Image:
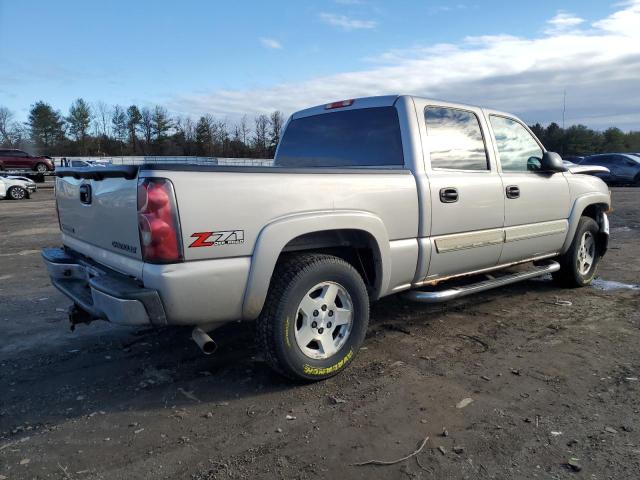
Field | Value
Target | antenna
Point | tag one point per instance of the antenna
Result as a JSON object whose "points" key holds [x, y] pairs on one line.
{"points": [[564, 105]]}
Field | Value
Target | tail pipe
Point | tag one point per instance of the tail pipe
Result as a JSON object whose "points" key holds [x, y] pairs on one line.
{"points": [[204, 341]]}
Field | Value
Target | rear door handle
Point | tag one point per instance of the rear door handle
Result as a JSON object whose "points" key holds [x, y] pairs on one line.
{"points": [[513, 191], [448, 195]]}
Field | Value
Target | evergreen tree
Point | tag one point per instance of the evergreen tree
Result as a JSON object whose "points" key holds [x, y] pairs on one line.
{"points": [[119, 123], [46, 127], [276, 121], [160, 123], [203, 136], [79, 120]]}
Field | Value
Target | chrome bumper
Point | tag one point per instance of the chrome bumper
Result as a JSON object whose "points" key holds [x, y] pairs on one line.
{"points": [[103, 293]]}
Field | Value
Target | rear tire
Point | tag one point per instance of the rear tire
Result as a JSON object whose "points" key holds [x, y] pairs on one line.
{"points": [[315, 317], [17, 193], [578, 266]]}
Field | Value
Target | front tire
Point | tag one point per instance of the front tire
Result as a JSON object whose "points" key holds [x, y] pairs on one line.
{"points": [[315, 317], [40, 168], [17, 193], [578, 266]]}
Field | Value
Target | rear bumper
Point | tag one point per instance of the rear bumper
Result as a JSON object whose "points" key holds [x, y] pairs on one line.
{"points": [[101, 292]]}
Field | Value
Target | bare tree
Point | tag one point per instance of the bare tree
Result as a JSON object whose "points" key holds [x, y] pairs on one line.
{"points": [[103, 115], [146, 125], [245, 131], [260, 135], [6, 120], [134, 117]]}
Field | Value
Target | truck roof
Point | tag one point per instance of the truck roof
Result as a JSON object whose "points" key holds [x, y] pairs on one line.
{"points": [[385, 101]]}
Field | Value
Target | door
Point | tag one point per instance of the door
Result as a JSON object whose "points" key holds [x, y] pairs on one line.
{"points": [[467, 205], [537, 203], [624, 169], [16, 159]]}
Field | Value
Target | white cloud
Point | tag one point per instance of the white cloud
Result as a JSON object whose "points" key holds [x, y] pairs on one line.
{"points": [[346, 23], [271, 43], [562, 22], [597, 64]]}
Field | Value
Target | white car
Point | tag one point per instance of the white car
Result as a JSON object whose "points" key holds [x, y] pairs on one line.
{"points": [[16, 188]]}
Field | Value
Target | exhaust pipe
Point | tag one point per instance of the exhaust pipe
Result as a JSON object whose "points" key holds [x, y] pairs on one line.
{"points": [[204, 341]]}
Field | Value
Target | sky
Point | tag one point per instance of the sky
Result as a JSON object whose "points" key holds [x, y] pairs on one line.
{"points": [[233, 58]]}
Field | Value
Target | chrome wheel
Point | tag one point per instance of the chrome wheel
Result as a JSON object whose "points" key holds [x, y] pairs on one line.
{"points": [[324, 320], [586, 253], [17, 193], [41, 168]]}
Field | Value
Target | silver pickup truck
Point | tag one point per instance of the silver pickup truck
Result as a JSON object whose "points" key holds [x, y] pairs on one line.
{"points": [[366, 198]]}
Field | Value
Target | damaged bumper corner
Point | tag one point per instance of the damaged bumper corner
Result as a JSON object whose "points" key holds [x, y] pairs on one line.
{"points": [[103, 294]]}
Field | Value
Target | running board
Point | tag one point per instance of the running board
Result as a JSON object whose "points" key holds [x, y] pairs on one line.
{"points": [[549, 266]]}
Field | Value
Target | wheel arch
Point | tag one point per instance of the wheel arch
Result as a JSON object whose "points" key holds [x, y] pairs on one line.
{"points": [[338, 233], [592, 205]]}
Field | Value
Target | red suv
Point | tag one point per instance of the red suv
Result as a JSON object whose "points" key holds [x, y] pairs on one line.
{"points": [[10, 159]]}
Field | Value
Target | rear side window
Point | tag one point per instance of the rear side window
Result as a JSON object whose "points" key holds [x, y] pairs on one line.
{"points": [[595, 160], [366, 137], [455, 139]]}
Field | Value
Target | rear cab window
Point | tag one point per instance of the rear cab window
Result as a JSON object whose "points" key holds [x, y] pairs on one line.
{"points": [[364, 137], [455, 140]]}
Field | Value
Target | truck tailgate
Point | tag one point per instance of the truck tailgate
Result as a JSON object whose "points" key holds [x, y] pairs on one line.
{"points": [[100, 212]]}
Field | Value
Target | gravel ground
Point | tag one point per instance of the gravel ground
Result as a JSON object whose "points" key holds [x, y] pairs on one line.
{"points": [[506, 384]]}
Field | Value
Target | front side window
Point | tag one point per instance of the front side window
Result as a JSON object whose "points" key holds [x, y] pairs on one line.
{"points": [[518, 151], [365, 137], [455, 139]]}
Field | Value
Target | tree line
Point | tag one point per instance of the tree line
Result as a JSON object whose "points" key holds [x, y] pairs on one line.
{"points": [[101, 129], [104, 130], [579, 140]]}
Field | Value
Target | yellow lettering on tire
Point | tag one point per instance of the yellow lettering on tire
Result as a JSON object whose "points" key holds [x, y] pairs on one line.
{"points": [[309, 370], [286, 332]]}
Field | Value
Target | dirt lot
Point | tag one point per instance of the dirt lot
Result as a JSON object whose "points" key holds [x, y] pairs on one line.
{"points": [[548, 382]]}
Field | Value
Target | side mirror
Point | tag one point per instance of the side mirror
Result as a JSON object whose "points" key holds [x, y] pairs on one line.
{"points": [[552, 162]]}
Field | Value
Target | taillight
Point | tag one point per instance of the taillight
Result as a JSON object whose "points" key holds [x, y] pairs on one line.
{"points": [[158, 222]]}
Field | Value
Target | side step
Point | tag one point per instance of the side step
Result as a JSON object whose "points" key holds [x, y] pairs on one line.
{"points": [[457, 292]]}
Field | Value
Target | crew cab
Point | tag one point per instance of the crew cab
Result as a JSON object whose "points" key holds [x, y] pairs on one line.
{"points": [[367, 198]]}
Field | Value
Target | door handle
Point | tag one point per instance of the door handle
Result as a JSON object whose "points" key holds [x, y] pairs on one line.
{"points": [[448, 195], [513, 191]]}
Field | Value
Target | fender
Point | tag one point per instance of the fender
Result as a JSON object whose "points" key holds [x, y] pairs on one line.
{"points": [[274, 236], [579, 206]]}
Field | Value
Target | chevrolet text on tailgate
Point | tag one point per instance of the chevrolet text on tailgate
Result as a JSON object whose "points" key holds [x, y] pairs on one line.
{"points": [[367, 198]]}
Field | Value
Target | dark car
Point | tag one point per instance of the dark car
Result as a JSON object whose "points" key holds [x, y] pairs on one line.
{"points": [[17, 159], [624, 168]]}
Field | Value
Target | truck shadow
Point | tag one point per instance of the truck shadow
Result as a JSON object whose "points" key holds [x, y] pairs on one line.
{"points": [[119, 370]]}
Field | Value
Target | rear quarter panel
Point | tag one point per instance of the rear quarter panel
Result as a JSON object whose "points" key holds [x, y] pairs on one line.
{"points": [[246, 202]]}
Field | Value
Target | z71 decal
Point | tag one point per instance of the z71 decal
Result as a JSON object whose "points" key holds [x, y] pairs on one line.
{"points": [[223, 237]]}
